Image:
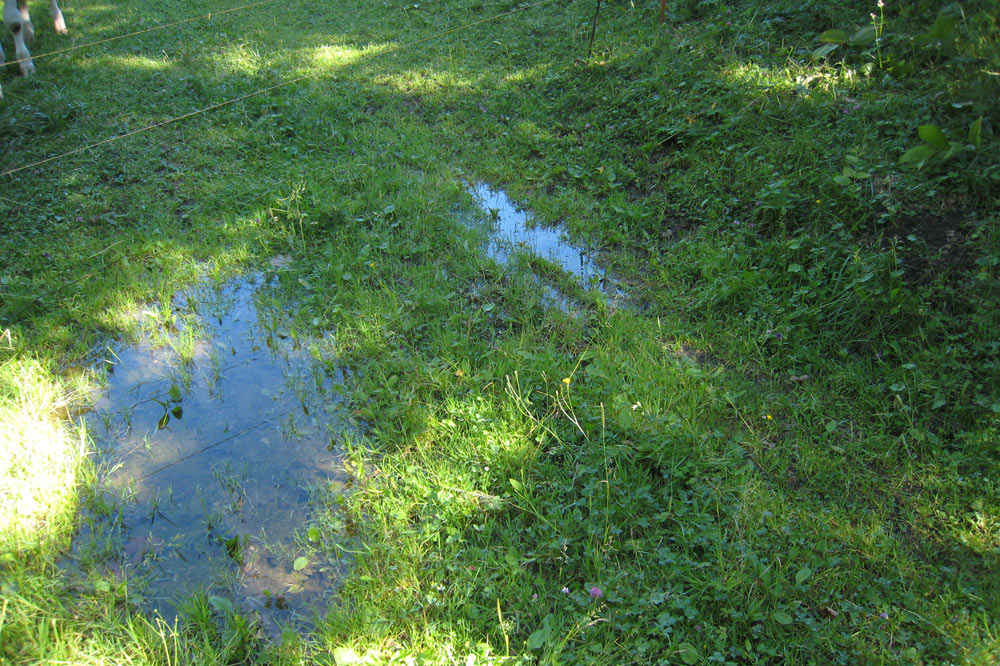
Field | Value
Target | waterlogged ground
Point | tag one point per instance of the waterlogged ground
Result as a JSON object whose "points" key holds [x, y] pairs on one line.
{"points": [[213, 443], [512, 232], [216, 427]]}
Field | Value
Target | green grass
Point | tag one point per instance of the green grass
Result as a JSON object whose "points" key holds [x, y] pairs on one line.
{"points": [[786, 453]]}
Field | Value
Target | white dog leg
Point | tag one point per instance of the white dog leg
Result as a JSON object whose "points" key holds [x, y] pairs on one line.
{"points": [[15, 17], [57, 17], [27, 27]]}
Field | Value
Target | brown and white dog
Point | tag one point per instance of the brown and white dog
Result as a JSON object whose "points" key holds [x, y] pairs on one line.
{"points": [[17, 20]]}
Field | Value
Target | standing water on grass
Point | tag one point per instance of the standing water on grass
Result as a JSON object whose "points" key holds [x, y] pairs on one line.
{"points": [[214, 442], [513, 232]]}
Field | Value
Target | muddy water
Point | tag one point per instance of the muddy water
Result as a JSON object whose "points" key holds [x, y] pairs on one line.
{"points": [[512, 231], [215, 457]]}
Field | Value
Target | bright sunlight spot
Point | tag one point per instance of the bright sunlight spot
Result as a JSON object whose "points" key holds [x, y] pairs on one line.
{"points": [[38, 459], [341, 56]]}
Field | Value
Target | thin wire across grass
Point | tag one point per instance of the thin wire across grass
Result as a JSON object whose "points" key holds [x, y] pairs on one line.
{"points": [[261, 91], [142, 32]]}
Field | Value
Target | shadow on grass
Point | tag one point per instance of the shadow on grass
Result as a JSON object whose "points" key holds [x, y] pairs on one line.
{"points": [[135, 221]]}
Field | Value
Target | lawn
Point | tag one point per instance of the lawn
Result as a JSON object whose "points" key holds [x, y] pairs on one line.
{"points": [[781, 448]]}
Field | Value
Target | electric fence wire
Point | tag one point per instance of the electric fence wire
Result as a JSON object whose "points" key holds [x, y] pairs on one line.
{"points": [[141, 32], [394, 49], [391, 50]]}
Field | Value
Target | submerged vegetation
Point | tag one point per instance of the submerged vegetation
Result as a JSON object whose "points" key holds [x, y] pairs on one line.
{"points": [[783, 450]]}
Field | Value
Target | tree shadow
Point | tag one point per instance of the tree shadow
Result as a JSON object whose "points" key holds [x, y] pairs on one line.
{"points": [[90, 235]]}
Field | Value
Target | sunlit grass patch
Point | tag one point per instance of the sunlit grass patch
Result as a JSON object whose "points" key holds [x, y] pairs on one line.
{"points": [[135, 62], [40, 460], [245, 58], [427, 80], [341, 55], [785, 79], [532, 74]]}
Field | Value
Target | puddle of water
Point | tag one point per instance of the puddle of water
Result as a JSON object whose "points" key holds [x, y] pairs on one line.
{"points": [[512, 232], [216, 457]]}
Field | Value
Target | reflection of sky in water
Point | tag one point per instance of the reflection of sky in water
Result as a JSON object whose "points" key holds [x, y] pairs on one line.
{"points": [[223, 447], [510, 234]]}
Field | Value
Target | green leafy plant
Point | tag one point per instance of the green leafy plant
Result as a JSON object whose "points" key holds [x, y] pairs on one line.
{"points": [[851, 172], [941, 35], [775, 199], [836, 38], [937, 147]]}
